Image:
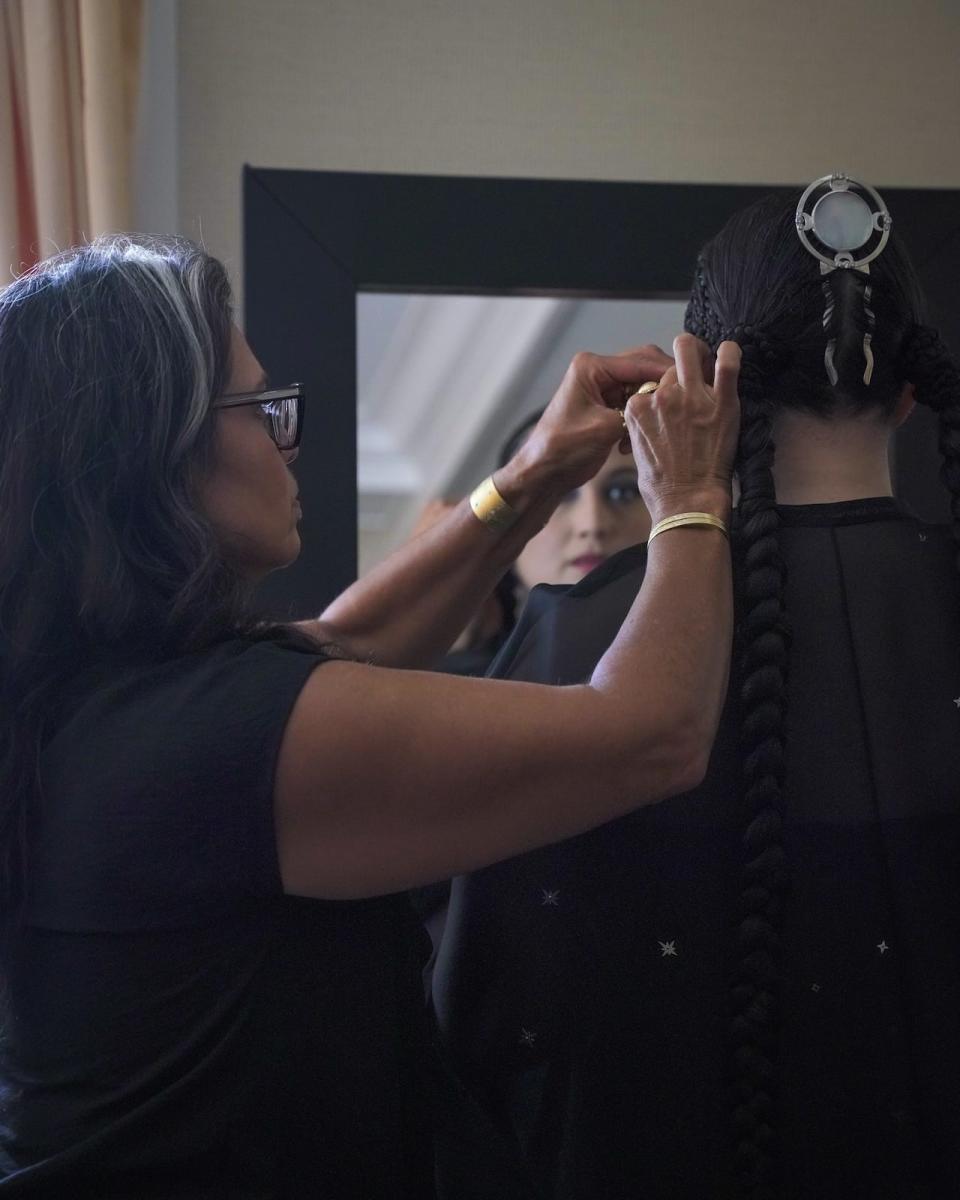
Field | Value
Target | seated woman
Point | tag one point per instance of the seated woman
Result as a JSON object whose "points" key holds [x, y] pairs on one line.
{"points": [[592, 522], [752, 990]]}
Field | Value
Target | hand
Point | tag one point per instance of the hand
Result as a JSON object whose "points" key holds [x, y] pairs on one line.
{"points": [[684, 435], [571, 441]]}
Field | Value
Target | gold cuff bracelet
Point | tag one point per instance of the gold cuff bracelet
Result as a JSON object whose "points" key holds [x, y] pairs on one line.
{"points": [[490, 508]]}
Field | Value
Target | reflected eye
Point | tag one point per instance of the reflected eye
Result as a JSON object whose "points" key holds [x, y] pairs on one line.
{"points": [[621, 492]]}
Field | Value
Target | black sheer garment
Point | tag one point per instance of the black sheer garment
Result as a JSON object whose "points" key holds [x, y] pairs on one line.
{"points": [[583, 988]]}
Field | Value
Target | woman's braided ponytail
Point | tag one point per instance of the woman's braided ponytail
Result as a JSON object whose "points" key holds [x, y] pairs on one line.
{"points": [[755, 984], [755, 987]]}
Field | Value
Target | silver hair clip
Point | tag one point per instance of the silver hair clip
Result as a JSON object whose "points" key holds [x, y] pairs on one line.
{"points": [[844, 224]]}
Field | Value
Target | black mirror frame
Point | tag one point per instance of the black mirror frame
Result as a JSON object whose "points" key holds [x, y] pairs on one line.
{"points": [[314, 239]]}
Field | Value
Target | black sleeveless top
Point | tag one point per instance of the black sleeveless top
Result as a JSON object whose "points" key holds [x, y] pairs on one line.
{"points": [[174, 1025], [583, 988]]}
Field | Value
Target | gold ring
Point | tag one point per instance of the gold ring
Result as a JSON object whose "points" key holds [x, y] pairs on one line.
{"points": [[646, 388]]}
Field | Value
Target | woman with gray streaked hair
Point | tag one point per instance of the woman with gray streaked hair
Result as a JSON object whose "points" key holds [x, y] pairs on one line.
{"points": [[210, 970]]}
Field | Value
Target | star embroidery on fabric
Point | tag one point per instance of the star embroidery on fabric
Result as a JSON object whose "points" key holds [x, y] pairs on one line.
{"points": [[957, 702], [923, 537], [527, 1037], [882, 946], [815, 987], [668, 949], [551, 899]]}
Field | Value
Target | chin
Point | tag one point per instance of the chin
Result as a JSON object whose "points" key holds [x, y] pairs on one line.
{"points": [[291, 551], [572, 575]]}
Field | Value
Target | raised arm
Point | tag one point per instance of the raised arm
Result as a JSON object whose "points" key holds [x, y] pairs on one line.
{"points": [[389, 779], [408, 611]]}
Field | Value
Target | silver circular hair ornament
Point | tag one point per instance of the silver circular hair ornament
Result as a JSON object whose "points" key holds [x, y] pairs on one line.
{"points": [[842, 222]]}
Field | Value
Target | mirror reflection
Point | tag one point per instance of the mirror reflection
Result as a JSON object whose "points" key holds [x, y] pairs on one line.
{"points": [[443, 382]]}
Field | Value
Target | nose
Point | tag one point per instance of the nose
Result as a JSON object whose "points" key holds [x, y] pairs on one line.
{"points": [[590, 517]]}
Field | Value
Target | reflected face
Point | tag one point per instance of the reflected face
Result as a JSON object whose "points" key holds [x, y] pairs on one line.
{"points": [[589, 524], [250, 494]]}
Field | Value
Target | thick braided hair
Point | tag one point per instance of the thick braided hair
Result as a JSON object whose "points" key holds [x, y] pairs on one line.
{"points": [[757, 285]]}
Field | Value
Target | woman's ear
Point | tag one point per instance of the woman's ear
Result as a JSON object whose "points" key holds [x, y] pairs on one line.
{"points": [[906, 403]]}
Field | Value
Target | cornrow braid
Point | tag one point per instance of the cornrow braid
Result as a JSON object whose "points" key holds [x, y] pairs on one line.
{"points": [[701, 317], [926, 362]]}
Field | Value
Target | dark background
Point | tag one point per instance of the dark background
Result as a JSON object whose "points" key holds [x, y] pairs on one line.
{"points": [[314, 239]]}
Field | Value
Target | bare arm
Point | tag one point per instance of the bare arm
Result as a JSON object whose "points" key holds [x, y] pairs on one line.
{"points": [[390, 779], [408, 611]]}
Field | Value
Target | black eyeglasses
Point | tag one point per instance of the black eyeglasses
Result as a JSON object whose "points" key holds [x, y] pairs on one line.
{"points": [[283, 408]]}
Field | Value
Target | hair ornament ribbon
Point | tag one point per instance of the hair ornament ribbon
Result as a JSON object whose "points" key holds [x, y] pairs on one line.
{"points": [[844, 224]]}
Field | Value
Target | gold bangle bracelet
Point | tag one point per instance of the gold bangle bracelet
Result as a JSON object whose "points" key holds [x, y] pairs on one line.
{"points": [[688, 518], [490, 508]]}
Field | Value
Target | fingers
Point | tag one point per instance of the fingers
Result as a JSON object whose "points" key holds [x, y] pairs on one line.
{"points": [[615, 376], [654, 355], [687, 350], [634, 367], [726, 373]]}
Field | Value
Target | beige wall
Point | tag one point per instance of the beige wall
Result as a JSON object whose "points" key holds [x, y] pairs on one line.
{"points": [[686, 90]]}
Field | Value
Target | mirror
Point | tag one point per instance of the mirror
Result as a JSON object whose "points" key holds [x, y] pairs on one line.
{"points": [[315, 241], [443, 381]]}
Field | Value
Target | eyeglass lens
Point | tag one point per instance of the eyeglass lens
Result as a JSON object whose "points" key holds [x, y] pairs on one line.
{"points": [[283, 416]]}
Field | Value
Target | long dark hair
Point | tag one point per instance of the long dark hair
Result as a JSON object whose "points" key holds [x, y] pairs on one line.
{"points": [[756, 284], [110, 355]]}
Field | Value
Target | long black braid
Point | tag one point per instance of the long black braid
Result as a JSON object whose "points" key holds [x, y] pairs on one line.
{"points": [[755, 986], [925, 361], [755, 990], [756, 285]]}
